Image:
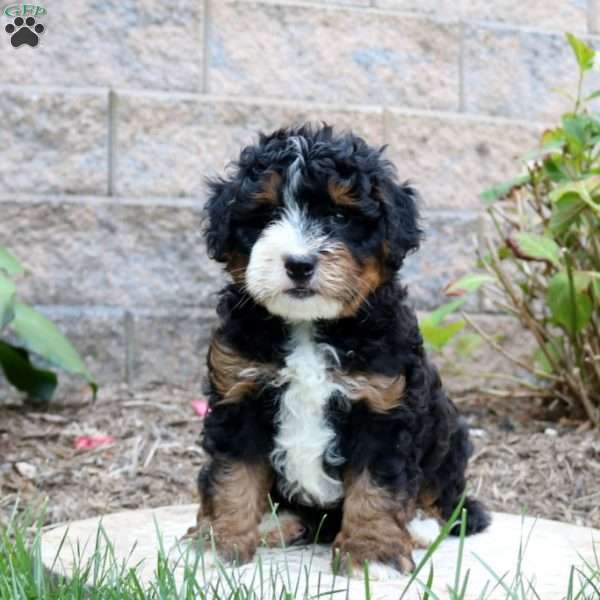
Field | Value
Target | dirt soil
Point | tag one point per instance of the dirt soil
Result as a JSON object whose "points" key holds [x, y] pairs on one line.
{"points": [[520, 464]]}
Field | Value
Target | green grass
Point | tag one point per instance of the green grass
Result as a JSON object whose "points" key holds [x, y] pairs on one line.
{"points": [[103, 577]]}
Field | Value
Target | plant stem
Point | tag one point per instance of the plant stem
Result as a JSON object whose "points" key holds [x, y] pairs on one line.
{"points": [[542, 391], [591, 411], [579, 88], [574, 383], [511, 394], [593, 240], [591, 204], [504, 353], [594, 361], [524, 314]]}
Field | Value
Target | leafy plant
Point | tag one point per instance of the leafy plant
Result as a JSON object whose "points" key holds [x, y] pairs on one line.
{"points": [[542, 257], [436, 332], [34, 333]]}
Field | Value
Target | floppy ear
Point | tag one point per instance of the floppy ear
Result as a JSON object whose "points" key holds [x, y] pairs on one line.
{"points": [[402, 216], [218, 214]]}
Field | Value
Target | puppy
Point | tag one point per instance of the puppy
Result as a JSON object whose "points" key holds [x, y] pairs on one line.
{"points": [[321, 394]]}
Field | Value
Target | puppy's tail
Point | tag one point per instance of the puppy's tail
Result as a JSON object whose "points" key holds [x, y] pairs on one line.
{"points": [[478, 518]]}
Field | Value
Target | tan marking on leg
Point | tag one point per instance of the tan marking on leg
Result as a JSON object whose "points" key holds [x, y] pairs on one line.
{"points": [[234, 509], [427, 502], [380, 392], [373, 527], [427, 497], [233, 375]]}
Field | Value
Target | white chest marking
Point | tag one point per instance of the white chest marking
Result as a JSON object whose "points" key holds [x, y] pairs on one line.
{"points": [[304, 437]]}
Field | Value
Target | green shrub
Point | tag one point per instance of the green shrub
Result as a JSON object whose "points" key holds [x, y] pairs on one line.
{"points": [[541, 263], [34, 333]]}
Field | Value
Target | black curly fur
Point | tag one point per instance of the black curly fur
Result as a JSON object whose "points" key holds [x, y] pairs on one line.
{"points": [[422, 444]]}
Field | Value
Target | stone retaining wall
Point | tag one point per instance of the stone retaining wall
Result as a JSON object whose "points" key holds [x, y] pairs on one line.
{"points": [[109, 126]]}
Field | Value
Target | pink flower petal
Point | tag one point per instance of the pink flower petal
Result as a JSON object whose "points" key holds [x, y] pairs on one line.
{"points": [[89, 442], [200, 407]]}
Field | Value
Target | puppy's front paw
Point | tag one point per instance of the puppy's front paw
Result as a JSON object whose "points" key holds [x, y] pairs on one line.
{"points": [[234, 549], [239, 550], [386, 559]]}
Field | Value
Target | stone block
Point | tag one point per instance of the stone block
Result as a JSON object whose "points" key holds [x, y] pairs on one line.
{"points": [[95, 252], [168, 145], [333, 54], [567, 15], [435, 8], [53, 141], [451, 159], [447, 252], [593, 16], [346, 2], [516, 73], [149, 44], [169, 347]]}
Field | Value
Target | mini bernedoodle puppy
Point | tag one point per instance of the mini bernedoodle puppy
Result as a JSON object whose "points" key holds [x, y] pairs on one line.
{"points": [[320, 391]]}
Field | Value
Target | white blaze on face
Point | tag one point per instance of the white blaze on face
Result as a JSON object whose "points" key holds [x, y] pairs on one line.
{"points": [[292, 235]]}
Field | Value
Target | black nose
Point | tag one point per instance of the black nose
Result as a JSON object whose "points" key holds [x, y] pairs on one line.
{"points": [[300, 268]]}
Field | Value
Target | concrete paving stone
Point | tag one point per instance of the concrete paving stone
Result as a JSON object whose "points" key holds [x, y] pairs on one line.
{"points": [[553, 548]]}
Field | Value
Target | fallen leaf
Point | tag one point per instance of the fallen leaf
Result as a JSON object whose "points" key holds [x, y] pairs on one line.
{"points": [[200, 407], [89, 442], [26, 470]]}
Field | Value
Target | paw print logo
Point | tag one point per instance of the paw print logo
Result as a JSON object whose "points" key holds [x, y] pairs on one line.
{"points": [[24, 32]]}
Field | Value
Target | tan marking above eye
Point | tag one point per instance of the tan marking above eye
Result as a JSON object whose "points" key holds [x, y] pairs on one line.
{"points": [[340, 193], [269, 192]]}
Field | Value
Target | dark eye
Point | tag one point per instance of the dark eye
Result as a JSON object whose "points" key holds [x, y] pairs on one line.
{"points": [[339, 218]]}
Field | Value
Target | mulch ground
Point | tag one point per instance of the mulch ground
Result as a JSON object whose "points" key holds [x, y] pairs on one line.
{"points": [[520, 464]]}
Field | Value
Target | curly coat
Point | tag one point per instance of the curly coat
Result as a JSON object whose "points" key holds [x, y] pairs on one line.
{"points": [[392, 442]]}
